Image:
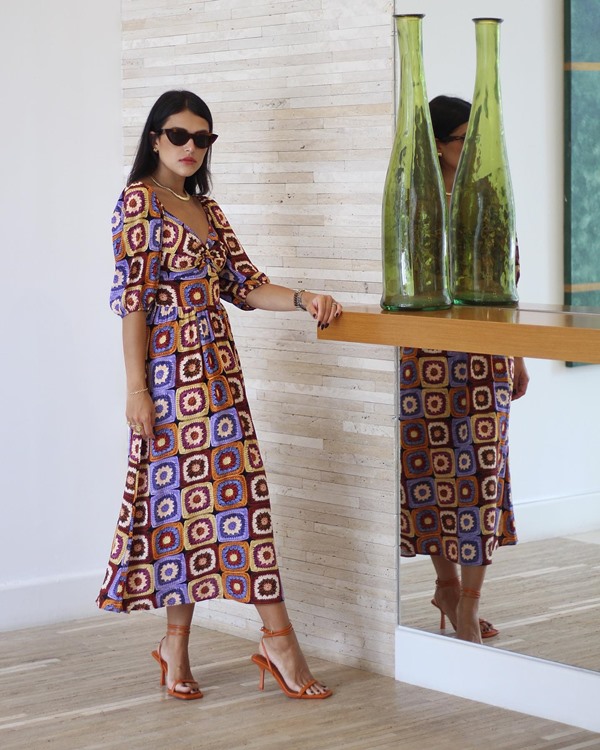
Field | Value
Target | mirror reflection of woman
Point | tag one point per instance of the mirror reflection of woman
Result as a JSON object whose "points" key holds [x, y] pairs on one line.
{"points": [[195, 523], [454, 409]]}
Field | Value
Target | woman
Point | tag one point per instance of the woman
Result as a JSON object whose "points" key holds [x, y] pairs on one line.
{"points": [[454, 409], [195, 521]]}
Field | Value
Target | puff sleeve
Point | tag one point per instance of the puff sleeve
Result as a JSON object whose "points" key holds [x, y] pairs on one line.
{"points": [[136, 231], [239, 275]]}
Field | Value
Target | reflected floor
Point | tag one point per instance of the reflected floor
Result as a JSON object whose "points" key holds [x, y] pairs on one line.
{"points": [[543, 596]]}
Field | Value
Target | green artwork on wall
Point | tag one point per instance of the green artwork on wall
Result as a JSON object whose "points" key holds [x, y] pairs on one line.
{"points": [[582, 153]]}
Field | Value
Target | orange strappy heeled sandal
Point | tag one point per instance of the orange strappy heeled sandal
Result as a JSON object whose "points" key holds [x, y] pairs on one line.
{"points": [[193, 686], [487, 629], [265, 665]]}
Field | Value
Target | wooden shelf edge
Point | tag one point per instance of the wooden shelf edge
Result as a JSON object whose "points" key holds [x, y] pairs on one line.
{"points": [[542, 334]]}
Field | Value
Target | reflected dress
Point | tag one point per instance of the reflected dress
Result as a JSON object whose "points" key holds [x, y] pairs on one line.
{"points": [[195, 521], [455, 494]]}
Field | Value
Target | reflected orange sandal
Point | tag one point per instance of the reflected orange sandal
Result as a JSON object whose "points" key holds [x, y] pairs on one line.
{"points": [[487, 629], [265, 665], [195, 691]]}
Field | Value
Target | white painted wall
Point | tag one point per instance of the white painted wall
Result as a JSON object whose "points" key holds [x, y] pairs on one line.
{"points": [[62, 441], [554, 429]]}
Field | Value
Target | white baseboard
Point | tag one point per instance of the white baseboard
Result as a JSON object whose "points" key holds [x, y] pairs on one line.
{"points": [[43, 601], [505, 679], [558, 516]]}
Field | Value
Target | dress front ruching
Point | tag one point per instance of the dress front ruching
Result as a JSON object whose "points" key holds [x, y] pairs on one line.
{"points": [[195, 522]]}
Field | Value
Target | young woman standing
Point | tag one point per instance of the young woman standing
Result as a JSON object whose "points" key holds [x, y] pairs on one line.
{"points": [[195, 523]]}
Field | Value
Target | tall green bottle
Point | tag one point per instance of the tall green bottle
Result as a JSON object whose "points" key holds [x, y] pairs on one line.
{"points": [[482, 214], [415, 261]]}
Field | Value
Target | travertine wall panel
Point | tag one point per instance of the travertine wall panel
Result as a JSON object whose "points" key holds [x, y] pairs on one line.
{"points": [[302, 98]]}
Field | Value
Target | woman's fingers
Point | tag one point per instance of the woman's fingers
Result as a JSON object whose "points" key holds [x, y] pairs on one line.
{"points": [[520, 379], [142, 427], [325, 309], [141, 416], [148, 427]]}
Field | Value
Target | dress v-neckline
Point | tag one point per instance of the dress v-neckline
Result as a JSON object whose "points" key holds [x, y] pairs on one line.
{"points": [[188, 228], [182, 223]]}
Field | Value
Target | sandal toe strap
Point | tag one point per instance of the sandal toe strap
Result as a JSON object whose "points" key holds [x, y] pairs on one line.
{"points": [[306, 687], [192, 684]]}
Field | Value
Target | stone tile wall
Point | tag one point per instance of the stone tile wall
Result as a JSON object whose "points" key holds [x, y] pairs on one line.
{"points": [[302, 98]]}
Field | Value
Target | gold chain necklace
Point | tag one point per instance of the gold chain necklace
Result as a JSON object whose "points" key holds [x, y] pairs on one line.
{"points": [[185, 197]]}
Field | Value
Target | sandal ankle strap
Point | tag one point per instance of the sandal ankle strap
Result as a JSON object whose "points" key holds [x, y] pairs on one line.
{"points": [[178, 629], [448, 582], [274, 633], [470, 593]]}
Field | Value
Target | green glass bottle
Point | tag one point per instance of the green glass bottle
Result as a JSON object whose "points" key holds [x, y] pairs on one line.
{"points": [[415, 260], [482, 234]]}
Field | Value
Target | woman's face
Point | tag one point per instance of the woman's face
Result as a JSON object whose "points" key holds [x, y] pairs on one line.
{"points": [[187, 159], [451, 150]]}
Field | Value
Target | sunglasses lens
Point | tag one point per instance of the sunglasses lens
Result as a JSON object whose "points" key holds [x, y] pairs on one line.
{"points": [[204, 140], [201, 140], [177, 137]]}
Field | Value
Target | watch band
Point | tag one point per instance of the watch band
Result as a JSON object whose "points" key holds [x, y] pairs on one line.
{"points": [[298, 299]]}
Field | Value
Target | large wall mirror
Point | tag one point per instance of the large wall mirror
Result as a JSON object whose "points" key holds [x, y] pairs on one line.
{"points": [[544, 593]]}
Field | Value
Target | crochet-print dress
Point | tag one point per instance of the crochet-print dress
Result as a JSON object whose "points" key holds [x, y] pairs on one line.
{"points": [[455, 496], [195, 521]]}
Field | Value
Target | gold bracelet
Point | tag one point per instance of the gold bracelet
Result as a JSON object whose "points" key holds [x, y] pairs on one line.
{"points": [[135, 393], [298, 299]]}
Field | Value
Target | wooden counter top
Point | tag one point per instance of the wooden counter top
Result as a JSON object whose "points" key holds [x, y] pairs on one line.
{"points": [[541, 331]]}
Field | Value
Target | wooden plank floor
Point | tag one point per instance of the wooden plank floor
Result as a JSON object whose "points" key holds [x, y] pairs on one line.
{"points": [[92, 684], [543, 596]]}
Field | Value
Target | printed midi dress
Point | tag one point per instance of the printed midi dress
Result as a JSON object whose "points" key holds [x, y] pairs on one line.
{"points": [[195, 521], [455, 496]]}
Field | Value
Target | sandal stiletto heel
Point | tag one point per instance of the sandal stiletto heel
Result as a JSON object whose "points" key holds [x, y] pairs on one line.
{"points": [[164, 668], [443, 584], [264, 664]]}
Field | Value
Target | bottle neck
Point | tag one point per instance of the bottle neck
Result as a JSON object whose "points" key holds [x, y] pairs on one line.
{"points": [[410, 47], [487, 79]]}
